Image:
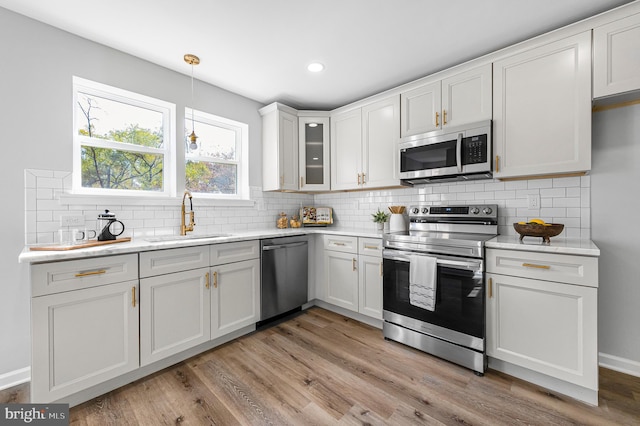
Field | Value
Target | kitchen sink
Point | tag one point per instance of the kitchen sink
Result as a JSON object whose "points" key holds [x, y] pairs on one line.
{"points": [[185, 237]]}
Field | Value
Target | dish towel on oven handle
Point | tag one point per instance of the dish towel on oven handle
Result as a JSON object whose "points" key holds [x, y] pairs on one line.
{"points": [[422, 281]]}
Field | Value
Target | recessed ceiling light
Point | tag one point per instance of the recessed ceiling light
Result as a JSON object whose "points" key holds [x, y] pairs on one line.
{"points": [[315, 158], [315, 67], [313, 124]]}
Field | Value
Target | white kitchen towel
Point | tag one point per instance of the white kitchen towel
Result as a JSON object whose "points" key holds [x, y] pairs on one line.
{"points": [[423, 281]]}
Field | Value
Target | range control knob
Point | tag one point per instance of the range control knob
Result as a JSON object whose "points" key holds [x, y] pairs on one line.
{"points": [[487, 210], [416, 210], [474, 210], [425, 210]]}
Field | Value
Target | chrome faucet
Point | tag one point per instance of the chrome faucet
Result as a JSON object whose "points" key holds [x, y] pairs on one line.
{"points": [[184, 228]]}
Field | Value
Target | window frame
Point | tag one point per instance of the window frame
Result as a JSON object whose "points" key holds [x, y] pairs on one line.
{"points": [[168, 111], [242, 152]]}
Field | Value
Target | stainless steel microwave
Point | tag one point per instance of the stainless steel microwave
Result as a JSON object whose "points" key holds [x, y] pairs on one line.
{"points": [[461, 153]]}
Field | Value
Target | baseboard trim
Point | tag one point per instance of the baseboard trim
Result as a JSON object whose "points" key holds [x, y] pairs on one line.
{"points": [[616, 363], [15, 378]]}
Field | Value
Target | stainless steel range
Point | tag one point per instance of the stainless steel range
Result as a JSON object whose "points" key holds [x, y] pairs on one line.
{"points": [[433, 283]]}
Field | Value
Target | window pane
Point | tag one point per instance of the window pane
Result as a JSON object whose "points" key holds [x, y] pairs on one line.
{"points": [[116, 121], [212, 178], [115, 169], [213, 141]]}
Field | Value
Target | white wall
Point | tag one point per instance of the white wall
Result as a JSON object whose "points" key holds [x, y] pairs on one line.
{"points": [[615, 205], [38, 62]]}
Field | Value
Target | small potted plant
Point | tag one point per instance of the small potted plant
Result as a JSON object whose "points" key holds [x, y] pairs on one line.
{"points": [[380, 218]]}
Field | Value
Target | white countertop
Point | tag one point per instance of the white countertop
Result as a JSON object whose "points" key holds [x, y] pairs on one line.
{"points": [[573, 246], [141, 244]]}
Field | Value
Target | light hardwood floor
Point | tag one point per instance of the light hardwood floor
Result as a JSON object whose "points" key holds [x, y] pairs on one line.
{"points": [[322, 368]]}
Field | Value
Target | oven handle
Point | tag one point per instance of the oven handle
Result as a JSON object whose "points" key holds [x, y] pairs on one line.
{"points": [[403, 256]]}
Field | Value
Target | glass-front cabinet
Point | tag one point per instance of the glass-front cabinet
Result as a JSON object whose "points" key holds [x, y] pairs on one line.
{"points": [[314, 152]]}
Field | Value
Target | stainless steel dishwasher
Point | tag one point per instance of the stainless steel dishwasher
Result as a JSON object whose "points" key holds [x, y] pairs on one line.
{"points": [[284, 264]]}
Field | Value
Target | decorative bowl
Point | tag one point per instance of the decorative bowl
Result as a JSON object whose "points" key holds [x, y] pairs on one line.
{"points": [[536, 230]]}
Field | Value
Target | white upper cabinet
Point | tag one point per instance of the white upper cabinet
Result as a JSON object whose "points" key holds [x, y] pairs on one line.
{"points": [[462, 97], [315, 174], [542, 109], [279, 148], [421, 109], [616, 57], [364, 145], [346, 150], [380, 137]]}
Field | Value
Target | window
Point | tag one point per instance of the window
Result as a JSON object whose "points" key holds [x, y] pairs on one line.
{"points": [[124, 143], [218, 166]]}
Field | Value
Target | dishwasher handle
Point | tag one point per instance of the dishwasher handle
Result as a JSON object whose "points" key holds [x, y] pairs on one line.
{"points": [[281, 246]]}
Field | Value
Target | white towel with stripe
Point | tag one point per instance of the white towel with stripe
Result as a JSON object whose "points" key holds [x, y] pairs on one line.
{"points": [[422, 281]]}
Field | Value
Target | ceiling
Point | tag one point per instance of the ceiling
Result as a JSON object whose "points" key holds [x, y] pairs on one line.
{"points": [[261, 48]]}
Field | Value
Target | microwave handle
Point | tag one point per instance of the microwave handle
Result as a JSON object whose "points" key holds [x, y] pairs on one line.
{"points": [[459, 153]]}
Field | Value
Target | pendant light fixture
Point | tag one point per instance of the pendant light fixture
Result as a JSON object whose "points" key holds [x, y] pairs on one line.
{"points": [[192, 60]]}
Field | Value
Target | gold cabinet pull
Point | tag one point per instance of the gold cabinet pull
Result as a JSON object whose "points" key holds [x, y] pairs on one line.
{"points": [[340, 244], [497, 163], [86, 274], [301, 181], [133, 297], [490, 288], [363, 175], [444, 117], [353, 264], [215, 279], [358, 178], [282, 180], [371, 247], [207, 285], [437, 119], [534, 265], [381, 271]]}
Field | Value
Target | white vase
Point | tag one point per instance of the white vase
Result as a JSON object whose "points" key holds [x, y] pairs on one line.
{"points": [[379, 226], [397, 223]]}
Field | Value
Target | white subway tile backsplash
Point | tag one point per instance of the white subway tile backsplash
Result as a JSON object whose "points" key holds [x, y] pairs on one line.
{"points": [[563, 200], [539, 183], [551, 193]]}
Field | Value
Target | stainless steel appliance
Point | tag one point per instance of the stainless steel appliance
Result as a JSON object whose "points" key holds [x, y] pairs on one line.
{"points": [[284, 265], [455, 237], [460, 153]]}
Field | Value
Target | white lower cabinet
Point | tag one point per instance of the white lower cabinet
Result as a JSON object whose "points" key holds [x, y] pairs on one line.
{"points": [[539, 323], [235, 296], [82, 338], [175, 313], [353, 274], [370, 286], [341, 271]]}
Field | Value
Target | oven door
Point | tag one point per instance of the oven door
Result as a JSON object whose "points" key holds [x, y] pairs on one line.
{"points": [[459, 311]]}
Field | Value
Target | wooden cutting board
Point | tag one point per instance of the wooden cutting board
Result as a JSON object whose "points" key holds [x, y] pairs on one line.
{"points": [[79, 246]]}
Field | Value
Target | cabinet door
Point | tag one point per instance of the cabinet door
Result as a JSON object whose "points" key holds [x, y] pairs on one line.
{"points": [[314, 154], [381, 121], [346, 150], [235, 296], [341, 274], [419, 109], [288, 124], [466, 97], [370, 286], [175, 313], [542, 109], [82, 338], [616, 62], [544, 326]]}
